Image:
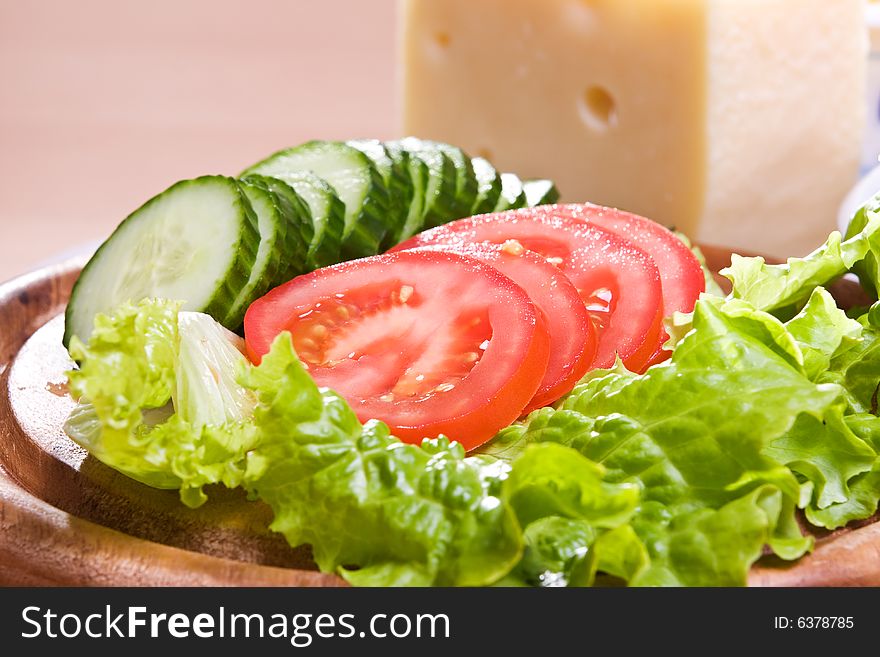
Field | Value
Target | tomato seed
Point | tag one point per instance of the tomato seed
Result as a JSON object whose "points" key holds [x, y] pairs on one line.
{"points": [[513, 247]]}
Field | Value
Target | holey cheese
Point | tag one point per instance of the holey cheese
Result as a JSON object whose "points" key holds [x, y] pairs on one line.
{"points": [[736, 121]]}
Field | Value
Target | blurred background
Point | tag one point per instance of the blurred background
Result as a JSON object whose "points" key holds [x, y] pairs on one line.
{"points": [[104, 104]]}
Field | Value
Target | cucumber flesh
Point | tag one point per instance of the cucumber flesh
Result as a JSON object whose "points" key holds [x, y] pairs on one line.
{"points": [[355, 180], [512, 194], [415, 218], [195, 242], [394, 170], [415, 171], [327, 214], [273, 229], [540, 192], [440, 205], [291, 256], [488, 186], [465, 179]]}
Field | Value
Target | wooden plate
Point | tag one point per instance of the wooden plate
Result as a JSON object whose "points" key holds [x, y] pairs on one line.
{"points": [[66, 519]]}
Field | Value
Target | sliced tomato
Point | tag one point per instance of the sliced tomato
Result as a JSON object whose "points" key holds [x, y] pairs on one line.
{"points": [[681, 275], [618, 282], [428, 342], [572, 334]]}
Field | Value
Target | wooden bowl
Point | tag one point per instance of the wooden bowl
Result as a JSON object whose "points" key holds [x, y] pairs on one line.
{"points": [[66, 519]]}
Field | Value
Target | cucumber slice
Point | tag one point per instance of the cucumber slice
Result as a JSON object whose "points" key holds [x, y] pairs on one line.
{"points": [[328, 217], [195, 242], [512, 194], [274, 232], [540, 192], [355, 180], [416, 173], [465, 180], [395, 174], [488, 186], [439, 206], [292, 252]]}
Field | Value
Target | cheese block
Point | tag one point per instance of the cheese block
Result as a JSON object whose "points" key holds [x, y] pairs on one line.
{"points": [[737, 121]]}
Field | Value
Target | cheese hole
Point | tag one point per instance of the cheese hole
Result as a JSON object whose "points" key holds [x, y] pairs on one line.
{"points": [[597, 109]]}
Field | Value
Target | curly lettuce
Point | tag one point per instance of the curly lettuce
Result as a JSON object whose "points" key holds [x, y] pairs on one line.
{"points": [[375, 510]]}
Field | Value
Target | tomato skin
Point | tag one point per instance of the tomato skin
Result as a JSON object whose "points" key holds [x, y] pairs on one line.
{"points": [[593, 259], [681, 274], [572, 334], [453, 304]]}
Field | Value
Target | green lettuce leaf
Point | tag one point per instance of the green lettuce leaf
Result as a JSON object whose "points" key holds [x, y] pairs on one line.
{"points": [[826, 453], [557, 553], [381, 512], [857, 369], [209, 359], [822, 331], [724, 440], [707, 547], [779, 287], [375, 510], [564, 503], [864, 489], [378, 511], [136, 361], [868, 268]]}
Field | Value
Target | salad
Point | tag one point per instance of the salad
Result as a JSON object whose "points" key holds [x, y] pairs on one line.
{"points": [[551, 395]]}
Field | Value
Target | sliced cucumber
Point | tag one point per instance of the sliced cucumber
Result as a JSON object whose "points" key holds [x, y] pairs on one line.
{"points": [[512, 194], [328, 217], [465, 180], [265, 272], [416, 172], [540, 192], [355, 180], [488, 186], [397, 182], [196, 242], [292, 253], [439, 207]]}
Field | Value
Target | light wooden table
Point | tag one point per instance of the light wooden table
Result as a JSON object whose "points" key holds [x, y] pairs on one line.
{"points": [[104, 103]]}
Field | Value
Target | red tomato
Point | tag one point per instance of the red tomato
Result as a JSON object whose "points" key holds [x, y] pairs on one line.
{"points": [[681, 275], [618, 282], [428, 342], [572, 334]]}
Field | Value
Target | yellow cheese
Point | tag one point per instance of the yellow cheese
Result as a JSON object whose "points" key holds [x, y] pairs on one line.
{"points": [[737, 121]]}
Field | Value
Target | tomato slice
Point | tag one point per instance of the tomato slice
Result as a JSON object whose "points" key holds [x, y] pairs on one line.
{"points": [[428, 342], [681, 275], [571, 331], [618, 282]]}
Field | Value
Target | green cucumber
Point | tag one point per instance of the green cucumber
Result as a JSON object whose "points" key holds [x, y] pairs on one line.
{"points": [[355, 180], [328, 217], [416, 172], [397, 182], [440, 204], [465, 180], [292, 252], [196, 242], [267, 268], [488, 186], [512, 194], [540, 192]]}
